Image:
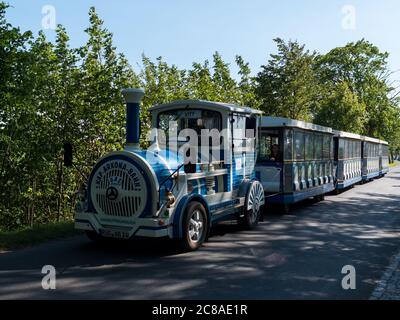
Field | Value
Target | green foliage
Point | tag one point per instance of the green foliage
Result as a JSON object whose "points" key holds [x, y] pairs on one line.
{"points": [[341, 110], [346, 89], [287, 83], [364, 68], [51, 93], [355, 88]]}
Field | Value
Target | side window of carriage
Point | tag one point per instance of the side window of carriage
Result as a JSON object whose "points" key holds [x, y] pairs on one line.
{"points": [[269, 146]]}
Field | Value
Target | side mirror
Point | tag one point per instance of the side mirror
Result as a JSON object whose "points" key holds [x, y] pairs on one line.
{"points": [[68, 155]]}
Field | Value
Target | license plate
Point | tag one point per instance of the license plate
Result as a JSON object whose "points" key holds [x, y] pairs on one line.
{"points": [[114, 234]]}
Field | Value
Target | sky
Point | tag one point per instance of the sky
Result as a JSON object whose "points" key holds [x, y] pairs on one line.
{"points": [[184, 31]]}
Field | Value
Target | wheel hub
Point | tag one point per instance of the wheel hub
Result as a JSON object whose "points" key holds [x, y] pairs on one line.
{"points": [[195, 226]]}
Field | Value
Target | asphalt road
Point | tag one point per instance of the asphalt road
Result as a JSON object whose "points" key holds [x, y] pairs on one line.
{"points": [[297, 256]]}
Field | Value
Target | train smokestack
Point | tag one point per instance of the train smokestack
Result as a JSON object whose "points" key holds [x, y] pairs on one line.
{"points": [[133, 97]]}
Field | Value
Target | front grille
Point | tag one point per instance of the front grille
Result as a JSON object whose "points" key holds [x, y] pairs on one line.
{"points": [[128, 186], [127, 207]]}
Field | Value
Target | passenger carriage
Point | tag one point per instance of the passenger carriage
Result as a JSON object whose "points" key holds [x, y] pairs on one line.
{"points": [[295, 160], [164, 192], [371, 158], [348, 159], [383, 158]]}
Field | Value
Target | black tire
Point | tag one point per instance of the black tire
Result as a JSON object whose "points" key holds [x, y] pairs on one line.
{"points": [[193, 236], [245, 222], [248, 221]]}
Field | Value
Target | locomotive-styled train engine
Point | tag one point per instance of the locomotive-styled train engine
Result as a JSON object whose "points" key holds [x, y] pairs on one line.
{"points": [[158, 192]]}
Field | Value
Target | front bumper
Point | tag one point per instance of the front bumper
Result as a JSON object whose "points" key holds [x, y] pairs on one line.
{"points": [[140, 227]]}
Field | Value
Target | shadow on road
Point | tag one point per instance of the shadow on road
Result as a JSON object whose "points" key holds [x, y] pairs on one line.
{"points": [[296, 256]]}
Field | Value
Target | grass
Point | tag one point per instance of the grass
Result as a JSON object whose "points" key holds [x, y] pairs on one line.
{"points": [[29, 236]]}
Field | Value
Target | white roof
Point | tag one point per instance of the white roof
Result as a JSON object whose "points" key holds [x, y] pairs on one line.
{"points": [[384, 142], [343, 134], [274, 122], [221, 106], [373, 140]]}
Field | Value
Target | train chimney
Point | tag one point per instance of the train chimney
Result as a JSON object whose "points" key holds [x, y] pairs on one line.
{"points": [[133, 98]]}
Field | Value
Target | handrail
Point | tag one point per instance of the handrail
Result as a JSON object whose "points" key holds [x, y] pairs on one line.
{"points": [[175, 171], [165, 180]]}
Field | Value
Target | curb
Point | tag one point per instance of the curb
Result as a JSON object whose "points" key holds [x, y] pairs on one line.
{"points": [[383, 283]]}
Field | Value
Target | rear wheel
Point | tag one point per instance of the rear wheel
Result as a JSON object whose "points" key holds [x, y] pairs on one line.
{"points": [[194, 227], [253, 207]]}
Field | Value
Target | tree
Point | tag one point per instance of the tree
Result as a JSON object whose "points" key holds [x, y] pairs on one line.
{"points": [[51, 93], [246, 86], [162, 84], [286, 86], [15, 115], [341, 110], [103, 74], [364, 69]]}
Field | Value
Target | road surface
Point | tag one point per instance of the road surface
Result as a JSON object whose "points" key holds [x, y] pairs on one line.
{"points": [[297, 256]]}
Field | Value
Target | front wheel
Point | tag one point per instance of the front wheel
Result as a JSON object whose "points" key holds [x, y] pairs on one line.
{"points": [[194, 227]]}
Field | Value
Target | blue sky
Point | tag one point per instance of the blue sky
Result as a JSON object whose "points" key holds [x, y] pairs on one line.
{"points": [[183, 31]]}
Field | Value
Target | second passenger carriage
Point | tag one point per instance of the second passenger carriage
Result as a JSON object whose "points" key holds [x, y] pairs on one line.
{"points": [[295, 160]]}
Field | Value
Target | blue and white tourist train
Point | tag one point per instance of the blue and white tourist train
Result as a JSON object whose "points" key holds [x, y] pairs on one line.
{"points": [[208, 162]]}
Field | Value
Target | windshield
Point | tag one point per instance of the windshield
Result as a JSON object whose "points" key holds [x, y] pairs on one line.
{"points": [[196, 119]]}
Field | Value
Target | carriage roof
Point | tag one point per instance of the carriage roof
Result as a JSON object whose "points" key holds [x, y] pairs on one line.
{"points": [[218, 106], [343, 134], [384, 142], [373, 140], [274, 122]]}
